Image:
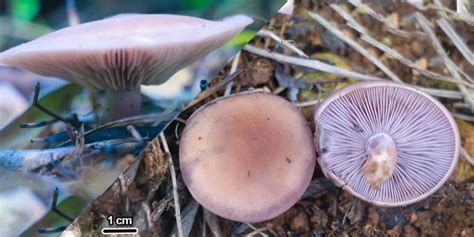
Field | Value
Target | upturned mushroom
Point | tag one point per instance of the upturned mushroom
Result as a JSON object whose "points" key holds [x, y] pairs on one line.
{"points": [[120, 53], [386, 143], [247, 157]]}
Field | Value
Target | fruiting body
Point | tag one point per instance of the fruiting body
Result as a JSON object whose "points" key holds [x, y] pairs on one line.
{"points": [[247, 157], [121, 53], [386, 143]]}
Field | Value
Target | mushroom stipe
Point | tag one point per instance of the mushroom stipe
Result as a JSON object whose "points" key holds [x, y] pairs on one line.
{"points": [[247, 157]]}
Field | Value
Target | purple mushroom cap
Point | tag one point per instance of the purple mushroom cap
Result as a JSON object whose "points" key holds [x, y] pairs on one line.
{"points": [[386, 143], [247, 157]]}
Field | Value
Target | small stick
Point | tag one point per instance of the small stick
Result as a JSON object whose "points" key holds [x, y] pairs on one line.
{"points": [[359, 48], [351, 22], [425, 25], [385, 21], [307, 103], [467, 156], [256, 231], [38, 124], [28, 160], [456, 39], [309, 63], [233, 68], [279, 40], [56, 117], [211, 90], [134, 133], [177, 208], [463, 117], [56, 210]]}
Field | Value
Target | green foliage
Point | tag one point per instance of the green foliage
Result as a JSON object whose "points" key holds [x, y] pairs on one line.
{"points": [[241, 39], [25, 9], [197, 4]]}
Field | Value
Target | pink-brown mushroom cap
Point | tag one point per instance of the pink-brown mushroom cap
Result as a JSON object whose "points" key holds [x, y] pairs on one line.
{"points": [[124, 51], [247, 157], [425, 135]]}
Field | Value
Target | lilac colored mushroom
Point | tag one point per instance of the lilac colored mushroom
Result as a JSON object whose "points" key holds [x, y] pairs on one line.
{"points": [[386, 143], [247, 157], [120, 53]]}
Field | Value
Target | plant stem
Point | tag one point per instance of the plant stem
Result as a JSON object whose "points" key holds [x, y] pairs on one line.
{"points": [[121, 104]]}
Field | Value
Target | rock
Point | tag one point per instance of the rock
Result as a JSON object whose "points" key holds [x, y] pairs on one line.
{"points": [[409, 231], [300, 222], [395, 231]]}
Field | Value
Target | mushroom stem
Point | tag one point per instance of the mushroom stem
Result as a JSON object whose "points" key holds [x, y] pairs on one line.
{"points": [[121, 103], [382, 159]]}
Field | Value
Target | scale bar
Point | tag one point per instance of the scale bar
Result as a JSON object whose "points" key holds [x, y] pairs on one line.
{"points": [[109, 231]]}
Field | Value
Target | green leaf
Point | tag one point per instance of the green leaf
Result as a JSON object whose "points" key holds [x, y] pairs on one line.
{"points": [[241, 39], [25, 9]]}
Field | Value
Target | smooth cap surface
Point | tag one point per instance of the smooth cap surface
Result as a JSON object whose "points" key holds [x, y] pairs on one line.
{"points": [[247, 157], [124, 51], [425, 135]]}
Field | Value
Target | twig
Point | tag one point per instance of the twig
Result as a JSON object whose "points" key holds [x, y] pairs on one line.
{"points": [[392, 29], [441, 93], [213, 222], [467, 156], [52, 230], [54, 208], [307, 103], [213, 89], [359, 48], [454, 15], [279, 40], [38, 124], [147, 211], [73, 121], [28, 160], [134, 133], [425, 25], [456, 39], [318, 65], [256, 231], [463, 117], [177, 208], [366, 37], [140, 119], [461, 105], [163, 204], [233, 68], [445, 16], [309, 63]]}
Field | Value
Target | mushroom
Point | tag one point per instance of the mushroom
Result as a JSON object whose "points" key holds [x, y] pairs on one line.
{"points": [[386, 143], [247, 157], [120, 53]]}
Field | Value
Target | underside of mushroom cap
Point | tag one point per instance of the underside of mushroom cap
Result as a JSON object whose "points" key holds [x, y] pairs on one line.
{"points": [[423, 132], [247, 157], [124, 51]]}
